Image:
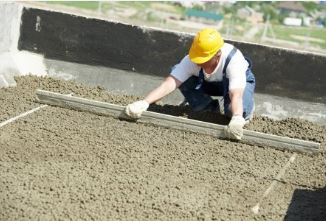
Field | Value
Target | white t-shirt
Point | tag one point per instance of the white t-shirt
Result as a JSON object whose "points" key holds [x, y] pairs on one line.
{"points": [[235, 72]]}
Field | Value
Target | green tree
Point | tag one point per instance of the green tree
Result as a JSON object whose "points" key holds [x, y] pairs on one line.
{"points": [[269, 9], [310, 6]]}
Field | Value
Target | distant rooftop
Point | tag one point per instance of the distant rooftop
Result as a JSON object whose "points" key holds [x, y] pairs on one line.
{"points": [[203, 14], [292, 6]]}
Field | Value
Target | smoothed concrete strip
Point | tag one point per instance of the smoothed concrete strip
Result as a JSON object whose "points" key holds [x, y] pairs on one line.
{"points": [[103, 108]]}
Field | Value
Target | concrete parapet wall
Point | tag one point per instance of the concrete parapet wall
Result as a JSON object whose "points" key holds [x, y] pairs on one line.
{"points": [[282, 72], [12, 61], [98, 42], [149, 51], [9, 26]]}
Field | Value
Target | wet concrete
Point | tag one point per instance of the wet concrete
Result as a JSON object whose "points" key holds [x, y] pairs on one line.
{"points": [[58, 164]]}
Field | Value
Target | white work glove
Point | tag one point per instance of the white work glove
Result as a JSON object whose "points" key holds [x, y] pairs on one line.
{"points": [[235, 128], [136, 109]]}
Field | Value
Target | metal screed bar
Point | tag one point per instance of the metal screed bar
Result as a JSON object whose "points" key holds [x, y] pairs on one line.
{"points": [[117, 111]]}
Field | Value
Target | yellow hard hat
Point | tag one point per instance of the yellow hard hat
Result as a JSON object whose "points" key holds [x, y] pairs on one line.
{"points": [[205, 45]]}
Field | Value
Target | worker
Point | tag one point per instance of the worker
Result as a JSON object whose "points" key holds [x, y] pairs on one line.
{"points": [[211, 68]]}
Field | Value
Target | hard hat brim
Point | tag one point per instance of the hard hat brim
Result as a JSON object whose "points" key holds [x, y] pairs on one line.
{"points": [[199, 58]]}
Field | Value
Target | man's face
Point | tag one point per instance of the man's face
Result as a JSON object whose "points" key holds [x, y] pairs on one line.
{"points": [[212, 63]]}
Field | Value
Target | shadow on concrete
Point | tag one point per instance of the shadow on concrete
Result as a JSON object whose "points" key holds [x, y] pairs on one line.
{"points": [[308, 205], [185, 111]]}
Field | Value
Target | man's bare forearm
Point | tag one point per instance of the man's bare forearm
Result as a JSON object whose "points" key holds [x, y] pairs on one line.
{"points": [[236, 101], [167, 86]]}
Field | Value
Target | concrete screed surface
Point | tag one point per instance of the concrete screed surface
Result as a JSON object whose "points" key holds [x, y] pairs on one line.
{"points": [[60, 164]]}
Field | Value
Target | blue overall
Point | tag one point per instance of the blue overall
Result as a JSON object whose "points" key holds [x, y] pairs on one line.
{"points": [[198, 92]]}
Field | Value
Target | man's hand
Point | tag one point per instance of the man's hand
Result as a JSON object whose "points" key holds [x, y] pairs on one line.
{"points": [[136, 109], [235, 128]]}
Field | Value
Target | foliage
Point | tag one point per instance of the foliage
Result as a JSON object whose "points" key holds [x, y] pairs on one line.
{"points": [[310, 6], [269, 11], [93, 5]]}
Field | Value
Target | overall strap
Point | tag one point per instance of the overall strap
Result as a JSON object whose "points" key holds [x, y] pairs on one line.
{"points": [[228, 59], [200, 79]]}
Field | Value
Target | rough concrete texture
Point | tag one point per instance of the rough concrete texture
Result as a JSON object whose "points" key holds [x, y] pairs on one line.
{"points": [[59, 164]]}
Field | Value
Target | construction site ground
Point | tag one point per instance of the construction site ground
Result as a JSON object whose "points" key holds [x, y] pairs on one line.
{"points": [[60, 164]]}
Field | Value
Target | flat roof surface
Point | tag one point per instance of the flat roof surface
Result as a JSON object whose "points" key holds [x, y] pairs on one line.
{"points": [[57, 163]]}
